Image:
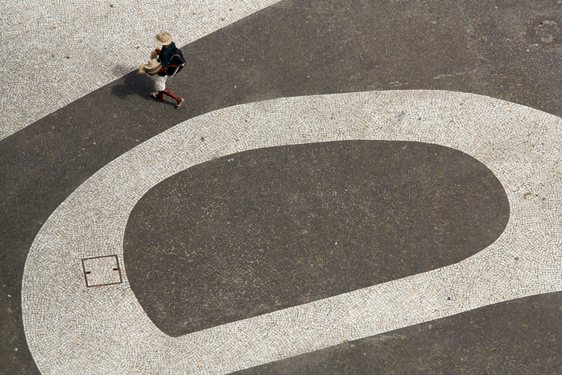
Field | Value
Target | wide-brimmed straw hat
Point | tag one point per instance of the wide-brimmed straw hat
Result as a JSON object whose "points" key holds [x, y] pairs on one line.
{"points": [[151, 67], [163, 38]]}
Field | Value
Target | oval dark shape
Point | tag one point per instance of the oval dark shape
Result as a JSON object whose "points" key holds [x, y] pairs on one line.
{"points": [[266, 229]]}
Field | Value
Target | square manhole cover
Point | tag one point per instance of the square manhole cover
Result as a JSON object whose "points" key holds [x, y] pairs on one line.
{"points": [[102, 271]]}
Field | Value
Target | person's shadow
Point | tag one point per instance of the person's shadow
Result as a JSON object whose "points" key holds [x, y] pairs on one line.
{"points": [[132, 83]]}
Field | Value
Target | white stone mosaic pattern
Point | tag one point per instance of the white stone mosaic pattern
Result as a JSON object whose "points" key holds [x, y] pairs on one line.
{"points": [[72, 329], [58, 51]]}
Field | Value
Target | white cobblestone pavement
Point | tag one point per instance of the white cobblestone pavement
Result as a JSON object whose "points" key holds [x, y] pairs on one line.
{"points": [[103, 330], [55, 52]]}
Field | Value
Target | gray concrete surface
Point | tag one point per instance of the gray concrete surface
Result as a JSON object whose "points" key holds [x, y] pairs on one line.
{"points": [[505, 49], [506, 338], [105, 329], [317, 220]]}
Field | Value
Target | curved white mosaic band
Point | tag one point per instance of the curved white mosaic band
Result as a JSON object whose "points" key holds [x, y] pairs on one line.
{"points": [[73, 329], [60, 51]]}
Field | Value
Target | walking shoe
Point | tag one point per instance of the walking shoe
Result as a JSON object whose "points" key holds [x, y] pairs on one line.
{"points": [[180, 103], [154, 95]]}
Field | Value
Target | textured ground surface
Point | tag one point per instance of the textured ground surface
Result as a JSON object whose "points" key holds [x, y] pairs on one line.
{"points": [[300, 233], [105, 329], [471, 343], [509, 50]]}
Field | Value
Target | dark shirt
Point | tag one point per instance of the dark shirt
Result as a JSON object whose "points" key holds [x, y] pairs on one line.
{"points": [[165, 54]]}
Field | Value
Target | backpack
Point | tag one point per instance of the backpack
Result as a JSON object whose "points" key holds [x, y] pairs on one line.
{"points": [[177, 62]]}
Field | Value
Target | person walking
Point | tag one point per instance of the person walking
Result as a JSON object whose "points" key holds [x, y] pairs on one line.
{"points": [[164, 62]]}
